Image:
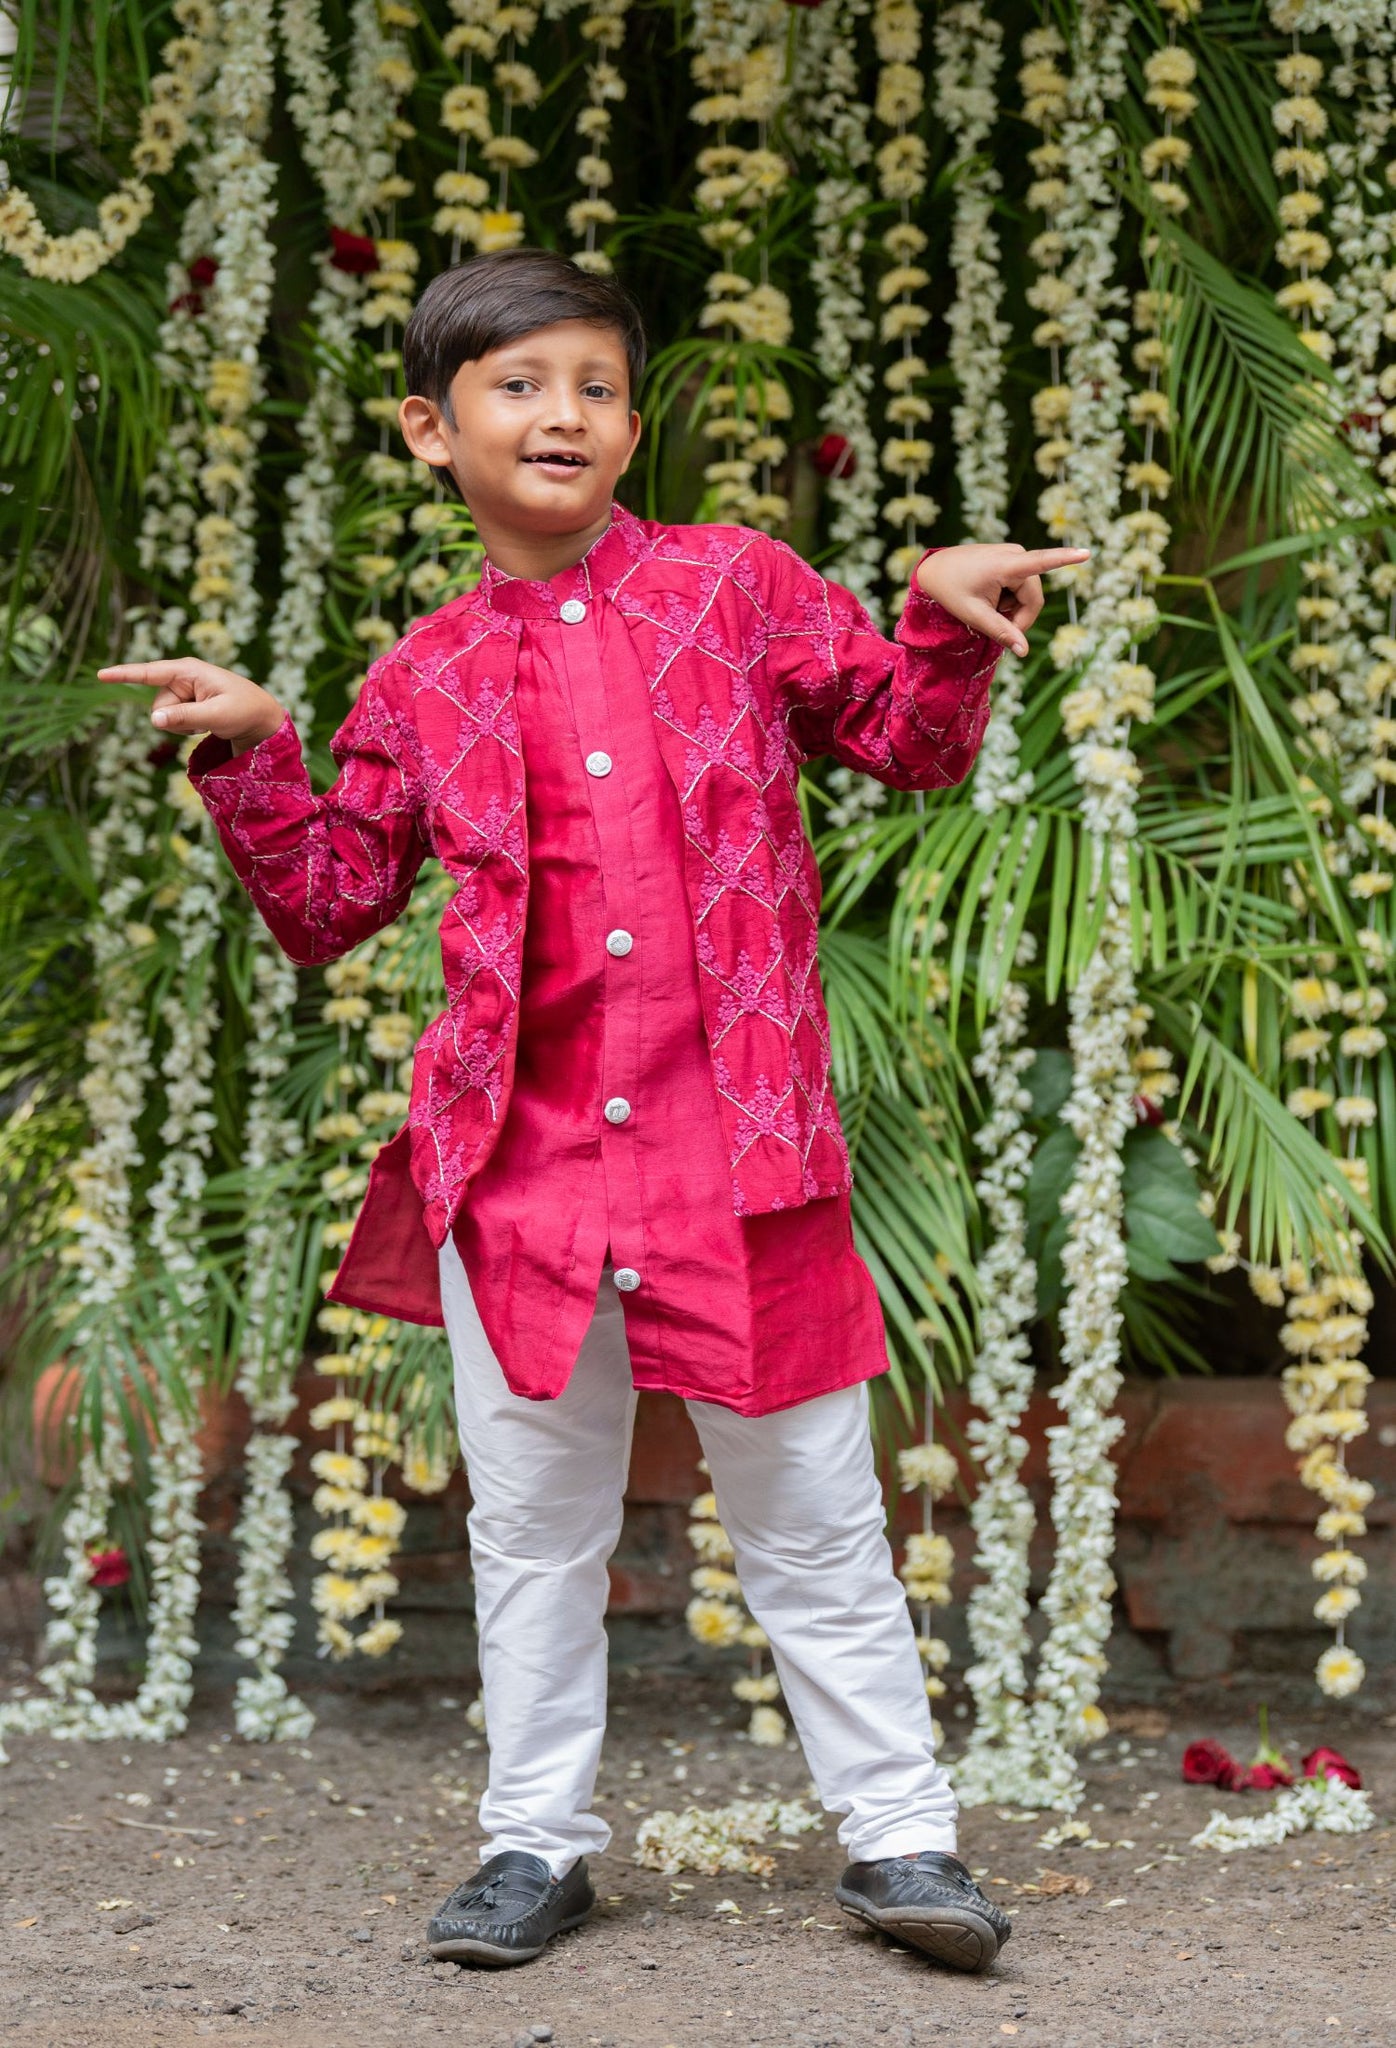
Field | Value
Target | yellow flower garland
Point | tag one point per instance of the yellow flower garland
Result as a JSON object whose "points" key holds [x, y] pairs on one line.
{"points": [[164, 128]]}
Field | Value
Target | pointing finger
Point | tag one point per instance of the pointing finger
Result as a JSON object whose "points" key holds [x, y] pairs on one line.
{"points": [[1037, 562]]}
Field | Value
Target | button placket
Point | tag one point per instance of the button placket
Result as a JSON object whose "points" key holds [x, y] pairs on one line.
{"points": [[582, 659]]}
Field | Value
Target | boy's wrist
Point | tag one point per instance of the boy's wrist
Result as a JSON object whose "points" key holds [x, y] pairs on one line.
{"points": [[253, 736]]}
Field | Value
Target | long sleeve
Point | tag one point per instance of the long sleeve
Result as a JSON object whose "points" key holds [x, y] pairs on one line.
{"points": [[325, 872], [910, 711]]}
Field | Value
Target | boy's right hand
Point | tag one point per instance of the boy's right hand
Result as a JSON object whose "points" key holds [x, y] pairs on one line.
{"points": [[194, 696]]}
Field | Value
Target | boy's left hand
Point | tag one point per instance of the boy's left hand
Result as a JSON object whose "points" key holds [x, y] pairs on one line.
{"points": [[995, 586]]}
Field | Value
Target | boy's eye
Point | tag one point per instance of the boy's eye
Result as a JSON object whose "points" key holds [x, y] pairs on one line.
{"points": [[596, 391], [516, 384]]}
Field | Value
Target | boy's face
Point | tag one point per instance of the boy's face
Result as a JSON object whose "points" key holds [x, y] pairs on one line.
{"points": [[542, 429]]}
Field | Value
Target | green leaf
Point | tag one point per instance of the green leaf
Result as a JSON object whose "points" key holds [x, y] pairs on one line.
{"points": [[1162, 1219]]}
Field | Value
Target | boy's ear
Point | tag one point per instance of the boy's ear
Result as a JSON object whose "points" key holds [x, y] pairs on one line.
{"points": [[420, 421], [636, 425]]}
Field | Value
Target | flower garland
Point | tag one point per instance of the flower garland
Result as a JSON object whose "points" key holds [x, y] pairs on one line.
{"points": [[969, 44], [998, 1759], [1326, 1305], [1001, 1513], [349, 174], [164, 127], [228, 215], [466, 212], [901, 175], [738, 63], [929, 1560], [364, 1525], [603, 27], [847, 455], [717, 1617], [1085, 462], [1321, 1802]]}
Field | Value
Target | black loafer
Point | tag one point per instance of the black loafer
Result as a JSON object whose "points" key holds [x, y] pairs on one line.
{"points": [[509, 1911], [929, 1902]]}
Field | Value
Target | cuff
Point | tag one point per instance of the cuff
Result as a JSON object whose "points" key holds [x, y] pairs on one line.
{"points": [[215, 757], [927, 624]]}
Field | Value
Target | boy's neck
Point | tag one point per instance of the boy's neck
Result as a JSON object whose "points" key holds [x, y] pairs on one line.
{"points": [[537, 556]]}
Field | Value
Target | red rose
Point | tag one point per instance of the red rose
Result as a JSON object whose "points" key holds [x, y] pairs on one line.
{"points": [[833, 455], [1207, 1763], [108, 1567], [1147, 1111], [203, 270], [1268, 1777], [1327, 1763], [358, 254]]}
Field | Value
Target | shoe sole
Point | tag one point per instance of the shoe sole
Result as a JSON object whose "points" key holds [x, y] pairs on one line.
{"points": [[470, 1950], [954, 1935]]}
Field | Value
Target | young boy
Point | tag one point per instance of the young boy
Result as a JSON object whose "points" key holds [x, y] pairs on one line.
{"points": [[623, 1165]]}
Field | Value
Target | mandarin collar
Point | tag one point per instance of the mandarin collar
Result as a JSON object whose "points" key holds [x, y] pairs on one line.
{"points": [[598, 574]]}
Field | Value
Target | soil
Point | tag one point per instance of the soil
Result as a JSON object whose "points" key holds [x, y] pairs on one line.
{"points": [[293, 1907]]}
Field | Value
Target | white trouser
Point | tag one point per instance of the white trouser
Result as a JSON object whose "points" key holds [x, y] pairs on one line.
{"points": [[798, 1495]]}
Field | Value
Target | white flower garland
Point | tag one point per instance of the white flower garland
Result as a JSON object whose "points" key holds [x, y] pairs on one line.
{"points": [[901, 176], [838, 131], [1103, 1014], [738, 64], [1324, 1803]]}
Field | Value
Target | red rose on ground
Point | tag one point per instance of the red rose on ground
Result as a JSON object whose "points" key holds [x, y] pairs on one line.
{"points": [[358, 254], [1268, 1777], [1327, 1763], [833, 456], [1207, 1763], [109, 1567]]}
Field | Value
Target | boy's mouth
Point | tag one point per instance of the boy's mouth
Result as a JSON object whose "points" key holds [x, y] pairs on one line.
{"points": [[559, 461]]}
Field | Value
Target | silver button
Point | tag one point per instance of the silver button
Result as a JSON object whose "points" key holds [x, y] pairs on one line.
{"points": [[598, 763], [617, 1110], [573, 611], [626, 1279], [619, 943]]}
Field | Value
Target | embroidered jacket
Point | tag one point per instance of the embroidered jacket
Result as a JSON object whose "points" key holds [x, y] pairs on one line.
{"points": [[755, 664]]}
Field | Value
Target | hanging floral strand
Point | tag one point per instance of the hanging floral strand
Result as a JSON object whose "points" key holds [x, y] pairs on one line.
{"points": [[901, 170], [603, 29], [847, 453], [738, 63]]}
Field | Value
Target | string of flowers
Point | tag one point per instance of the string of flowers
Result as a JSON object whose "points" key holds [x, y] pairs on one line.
{"points": [[1001, 1514], [349, 166], [846, 455], [969, 45], [717, 1617], [1326, 1301], [929, 1559], [738, 63], [164, 125], [901, 174], [603, 27], [1104, 1016]]}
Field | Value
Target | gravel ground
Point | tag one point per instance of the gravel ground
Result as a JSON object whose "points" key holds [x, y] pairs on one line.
{"points": [[209, 1888]]}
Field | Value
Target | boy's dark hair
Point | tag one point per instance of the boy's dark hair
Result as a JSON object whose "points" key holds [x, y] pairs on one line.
{"points": [[493, 300]]}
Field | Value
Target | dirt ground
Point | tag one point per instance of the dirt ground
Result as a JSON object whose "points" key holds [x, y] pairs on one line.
{"points": [[215, 1889]]}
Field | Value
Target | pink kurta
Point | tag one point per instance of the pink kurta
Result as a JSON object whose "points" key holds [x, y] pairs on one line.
{"points": [[751, 663], [613, 1139]]}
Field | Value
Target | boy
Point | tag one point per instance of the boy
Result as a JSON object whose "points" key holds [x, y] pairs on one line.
{"points": [[623, 1164]]}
